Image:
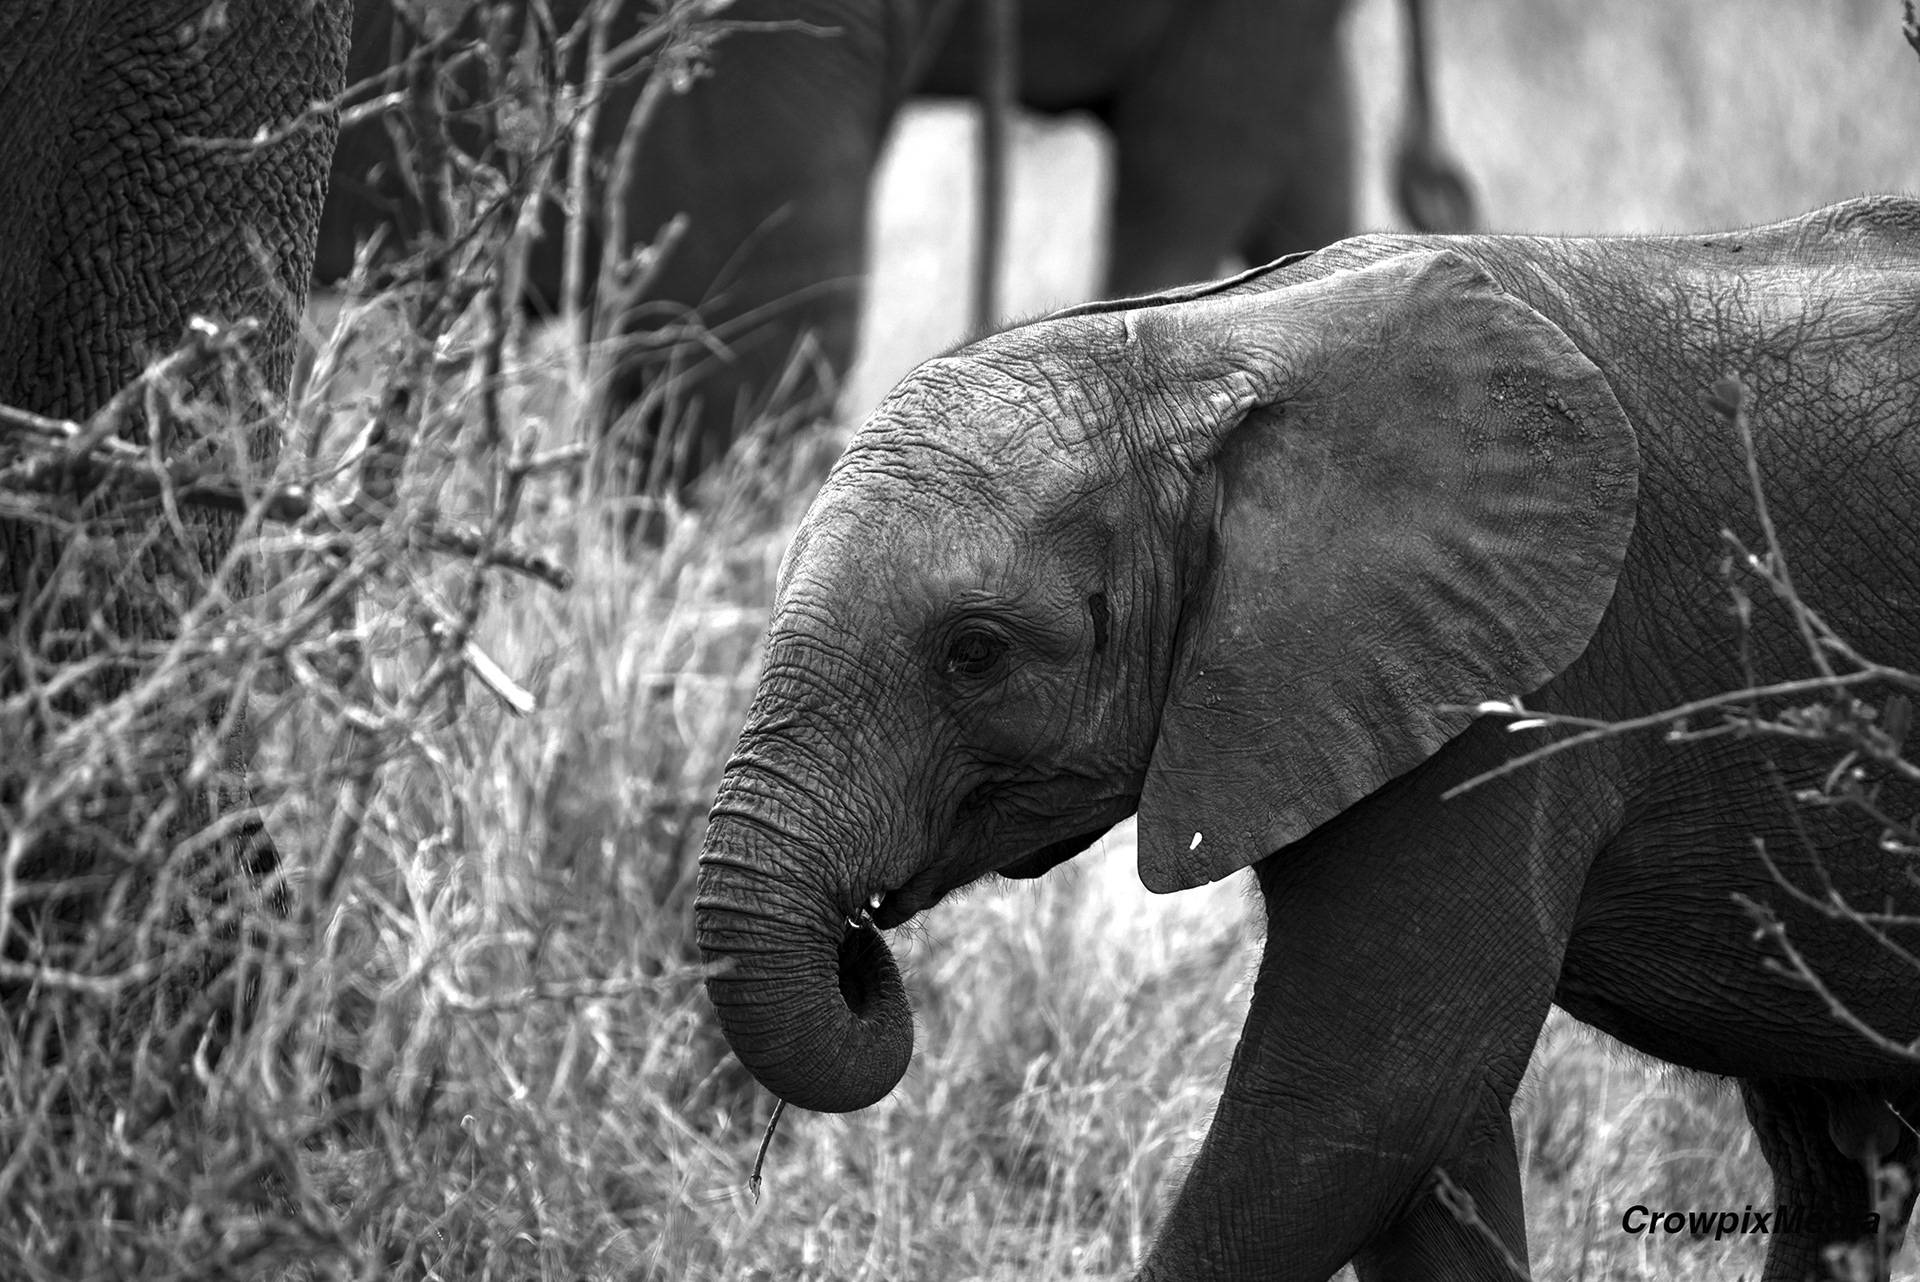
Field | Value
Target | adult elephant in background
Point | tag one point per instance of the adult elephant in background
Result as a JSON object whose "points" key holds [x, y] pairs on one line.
{"points": [[1230, 118], [122, 215], [128, 207], [1225, 557]]}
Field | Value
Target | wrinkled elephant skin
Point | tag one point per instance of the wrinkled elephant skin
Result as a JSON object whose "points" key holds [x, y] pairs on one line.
{"points": [[1226, 557], [116, 223]]}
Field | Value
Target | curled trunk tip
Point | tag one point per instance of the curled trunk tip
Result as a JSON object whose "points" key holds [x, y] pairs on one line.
{"points": [[815, 1009]]}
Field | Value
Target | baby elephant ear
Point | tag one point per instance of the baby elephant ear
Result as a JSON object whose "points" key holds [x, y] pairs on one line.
{"points": [[1424, 493]]}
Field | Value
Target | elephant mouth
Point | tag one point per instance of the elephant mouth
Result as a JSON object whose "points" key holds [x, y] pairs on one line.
{"points": [[896, 907], [887, 909]]}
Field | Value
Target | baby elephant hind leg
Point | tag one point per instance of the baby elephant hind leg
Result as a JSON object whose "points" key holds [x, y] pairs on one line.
{"points": [[1819, 1138]]}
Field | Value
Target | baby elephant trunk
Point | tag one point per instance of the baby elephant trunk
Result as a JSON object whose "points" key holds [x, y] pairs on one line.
{"points": [[809, 997]]}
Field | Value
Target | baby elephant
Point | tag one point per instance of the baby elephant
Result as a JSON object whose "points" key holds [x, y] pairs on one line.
{"points": [[1227, 557]]}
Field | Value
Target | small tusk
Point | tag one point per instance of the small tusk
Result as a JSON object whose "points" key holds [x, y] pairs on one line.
{"points": [[873, 904], [1195, 843]]}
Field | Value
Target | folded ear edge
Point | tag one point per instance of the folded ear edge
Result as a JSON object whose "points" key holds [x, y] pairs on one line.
{"points": [[1178, 294]]}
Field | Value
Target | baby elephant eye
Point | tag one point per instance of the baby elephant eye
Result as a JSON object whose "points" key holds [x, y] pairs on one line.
{"points": [[974, 653]]}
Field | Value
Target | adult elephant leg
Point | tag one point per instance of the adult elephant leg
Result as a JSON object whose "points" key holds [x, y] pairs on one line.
{"points": [[119, 222], [1236, 133], [1310, 197], [1817, 1189], [366, 184], [1469, 1239], [770, 159], [1412, 951]]}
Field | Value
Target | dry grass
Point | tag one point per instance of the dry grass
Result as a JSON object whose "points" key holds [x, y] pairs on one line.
{"points": [[1601, 1129], [505, 959]]}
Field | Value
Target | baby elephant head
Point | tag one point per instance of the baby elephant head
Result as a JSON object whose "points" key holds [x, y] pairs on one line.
{"points": [[1218, 558]]}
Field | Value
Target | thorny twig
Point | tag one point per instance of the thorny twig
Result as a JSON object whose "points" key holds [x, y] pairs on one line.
{"points": [[1674, 719], [1460, 1204], [1768, 927], [1730, 402], [61, 454], [206, 342], [766, 1142]]}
